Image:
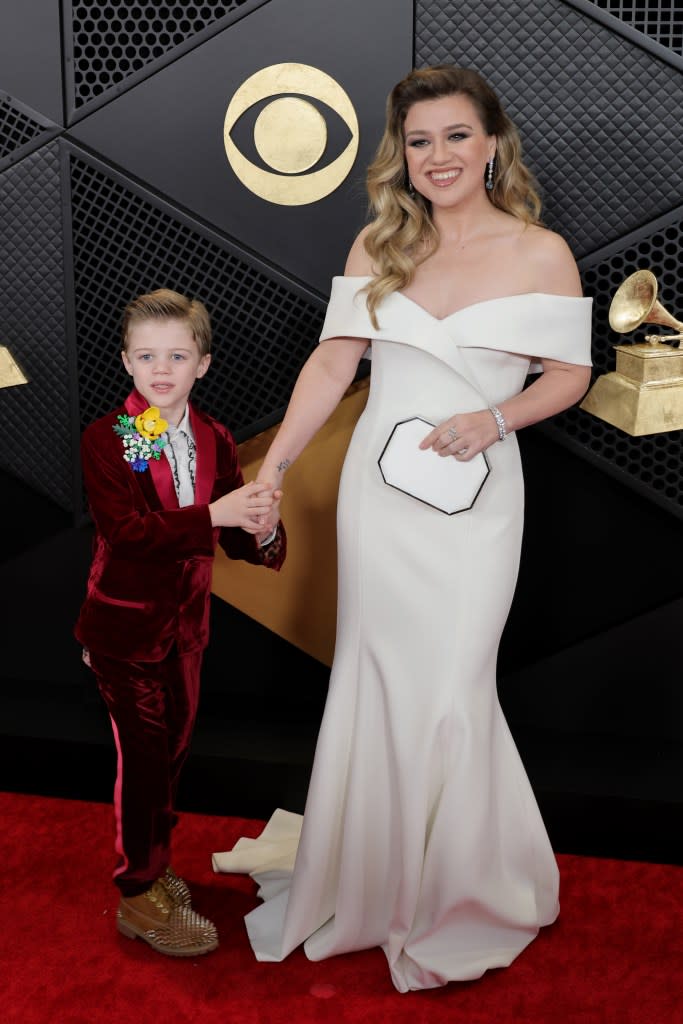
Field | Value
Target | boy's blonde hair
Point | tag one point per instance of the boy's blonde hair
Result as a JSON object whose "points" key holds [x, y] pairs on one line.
{"points": [[165, 304]]}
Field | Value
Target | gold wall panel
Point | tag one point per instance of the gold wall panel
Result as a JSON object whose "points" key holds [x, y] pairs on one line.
{"points": [[300, 602]]}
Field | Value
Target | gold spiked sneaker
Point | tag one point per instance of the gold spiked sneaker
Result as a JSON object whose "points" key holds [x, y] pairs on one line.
{"points": [[177, 888], [168, 927]]}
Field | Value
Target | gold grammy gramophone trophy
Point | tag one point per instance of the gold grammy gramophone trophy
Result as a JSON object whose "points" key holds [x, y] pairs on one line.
{"points": [[644, 395], [10, 373]]}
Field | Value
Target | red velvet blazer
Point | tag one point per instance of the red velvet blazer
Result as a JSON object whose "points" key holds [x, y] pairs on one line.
{"points": [[150, 577]]}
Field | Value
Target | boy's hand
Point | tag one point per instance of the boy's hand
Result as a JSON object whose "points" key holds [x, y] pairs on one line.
{"points": [[273, 516], [249, 507]]}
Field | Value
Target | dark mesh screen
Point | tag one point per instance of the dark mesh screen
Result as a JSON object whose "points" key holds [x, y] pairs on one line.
{"points": [[17, 129], [113, 39], [661, 21], [123, 245]]}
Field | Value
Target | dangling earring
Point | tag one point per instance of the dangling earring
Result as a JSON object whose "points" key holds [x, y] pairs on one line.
{"points": [[489, 176], [411, 189]]}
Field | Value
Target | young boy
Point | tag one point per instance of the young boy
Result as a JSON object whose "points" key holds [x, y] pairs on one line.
{"points": [[165, 486]]}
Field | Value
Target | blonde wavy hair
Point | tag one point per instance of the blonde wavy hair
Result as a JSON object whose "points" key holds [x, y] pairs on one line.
{"points": [[402, 233]]}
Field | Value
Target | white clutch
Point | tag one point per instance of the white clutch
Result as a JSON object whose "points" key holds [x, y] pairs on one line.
{"points": [[442, 482]]}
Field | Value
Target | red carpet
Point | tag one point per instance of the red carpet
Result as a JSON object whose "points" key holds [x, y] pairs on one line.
{"points": [[615, 956]]}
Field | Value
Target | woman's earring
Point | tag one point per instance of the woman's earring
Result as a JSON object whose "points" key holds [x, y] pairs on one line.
{"points": [[411, 189], [489, 176]]}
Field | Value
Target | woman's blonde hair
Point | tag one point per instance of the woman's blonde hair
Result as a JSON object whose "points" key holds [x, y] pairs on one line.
{"points": [[165, 304], [402, 233]]}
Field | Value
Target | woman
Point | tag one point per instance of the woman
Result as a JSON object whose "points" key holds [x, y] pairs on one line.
{"points": [[421, 833]]}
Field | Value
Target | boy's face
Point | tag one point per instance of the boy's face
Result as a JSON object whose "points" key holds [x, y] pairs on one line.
{"points": [[163, 359]]}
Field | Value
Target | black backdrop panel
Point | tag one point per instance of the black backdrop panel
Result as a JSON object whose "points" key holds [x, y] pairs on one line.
{"points": [[138, 192], [127, 241], [37, 424], [661, 23], [600, 116], [149, 196], [110, 45], [168, 130], [22, 130], [608, 153], [30, 54]]}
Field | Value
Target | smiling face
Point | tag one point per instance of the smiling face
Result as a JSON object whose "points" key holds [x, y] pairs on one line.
{"points": [[163, 359], [447, 149]]}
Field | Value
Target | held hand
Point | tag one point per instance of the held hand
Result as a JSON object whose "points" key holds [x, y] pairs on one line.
{"points": [[271, 477], [273, 515], [463, 436], [249, 507]]}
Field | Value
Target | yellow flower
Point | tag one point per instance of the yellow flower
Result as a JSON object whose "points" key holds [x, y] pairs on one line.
{"points": [[150, 424]]}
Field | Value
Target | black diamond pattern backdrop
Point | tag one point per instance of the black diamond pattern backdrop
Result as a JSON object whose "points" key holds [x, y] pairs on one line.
{"points": [[37, 432], [608, 153], [596, 88]]}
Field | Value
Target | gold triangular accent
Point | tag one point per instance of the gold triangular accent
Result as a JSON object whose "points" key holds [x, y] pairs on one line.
{"points": [[10, 373]]}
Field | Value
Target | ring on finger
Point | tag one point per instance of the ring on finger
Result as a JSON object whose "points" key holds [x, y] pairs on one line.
{"points": [[462, 451], [452, 433]]}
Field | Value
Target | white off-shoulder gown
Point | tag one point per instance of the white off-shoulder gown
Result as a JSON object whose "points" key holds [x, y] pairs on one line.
{"points": [[421, 833]]}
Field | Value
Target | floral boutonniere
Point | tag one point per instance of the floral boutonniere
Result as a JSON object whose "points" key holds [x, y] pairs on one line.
{"points": [[141, 436]]}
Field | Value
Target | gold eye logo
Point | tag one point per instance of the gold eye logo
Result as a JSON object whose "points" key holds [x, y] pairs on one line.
{"points": [[290, 134]]}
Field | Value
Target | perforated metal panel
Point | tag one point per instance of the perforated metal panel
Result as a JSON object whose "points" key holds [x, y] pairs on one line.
{"points": [[113, 39], [19, 130], [661, 20], [124, 244], [15, 128]]}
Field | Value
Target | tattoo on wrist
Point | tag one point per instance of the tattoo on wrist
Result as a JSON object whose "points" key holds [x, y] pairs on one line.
{"points": [[282, 466]]}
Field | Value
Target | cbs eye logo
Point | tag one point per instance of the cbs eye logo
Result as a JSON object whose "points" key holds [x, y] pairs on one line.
{"points": [[290, 134]]}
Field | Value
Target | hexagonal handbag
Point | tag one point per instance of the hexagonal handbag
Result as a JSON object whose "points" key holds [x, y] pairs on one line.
{"points": [[442, 482]]}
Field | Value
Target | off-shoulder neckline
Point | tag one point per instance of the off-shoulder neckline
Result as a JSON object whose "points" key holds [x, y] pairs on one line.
{"points": [[472, 305]]}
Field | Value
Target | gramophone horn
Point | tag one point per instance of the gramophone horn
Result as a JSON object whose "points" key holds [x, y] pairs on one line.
{"points": [[644, 395], [635, 302]]}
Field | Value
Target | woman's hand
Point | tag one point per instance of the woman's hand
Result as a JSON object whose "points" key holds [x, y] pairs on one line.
{"points": [[248, 506], [273, 516], [463, 436]]}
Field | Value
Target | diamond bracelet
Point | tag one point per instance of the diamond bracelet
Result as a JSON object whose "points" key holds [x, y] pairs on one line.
{"points": [[500, 422]]}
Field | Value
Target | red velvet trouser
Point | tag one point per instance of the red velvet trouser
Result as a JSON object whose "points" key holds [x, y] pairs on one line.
{"points": [[153, 707]]}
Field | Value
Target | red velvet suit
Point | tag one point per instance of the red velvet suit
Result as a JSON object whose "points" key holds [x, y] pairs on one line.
{"points": [[145, 618]]}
